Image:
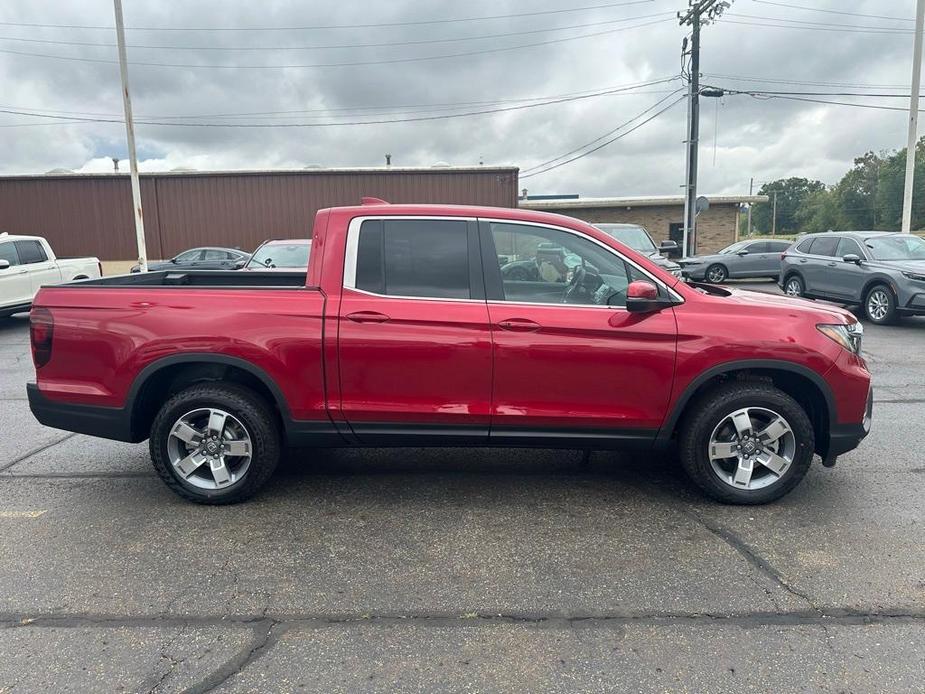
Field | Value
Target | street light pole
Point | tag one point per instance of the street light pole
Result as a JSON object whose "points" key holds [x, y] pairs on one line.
{"points": [[913, 115], [130, 136], [751, 188]]}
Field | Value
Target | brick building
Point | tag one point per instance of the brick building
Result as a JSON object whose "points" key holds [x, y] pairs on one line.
{"points": [[663, 216]]}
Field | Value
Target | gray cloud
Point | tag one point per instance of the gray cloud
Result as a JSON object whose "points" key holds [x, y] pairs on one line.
{"points": [[764, 139]]}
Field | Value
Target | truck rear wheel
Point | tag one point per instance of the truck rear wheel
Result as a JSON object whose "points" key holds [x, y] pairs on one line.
{"points": [[215, 443], [746, 443]]}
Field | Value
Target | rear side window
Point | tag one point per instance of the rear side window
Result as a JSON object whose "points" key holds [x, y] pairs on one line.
{"points": [[824, 245], [8, 252], [415, 258], [778, 246], [30, 252], [803, 246], [848, 246]]}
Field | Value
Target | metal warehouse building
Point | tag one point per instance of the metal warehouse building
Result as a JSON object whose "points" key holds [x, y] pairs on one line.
{"points": [[663, 216], [91, 214]]}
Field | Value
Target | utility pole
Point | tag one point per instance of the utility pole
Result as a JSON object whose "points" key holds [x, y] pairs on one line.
{"points": [[773, 213], [699, 12], [751, 188], [913, 115], [130, 136]]}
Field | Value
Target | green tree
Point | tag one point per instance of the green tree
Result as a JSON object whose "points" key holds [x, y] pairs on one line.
{"points": [[857, 193], [791, 194], [819, 212]]}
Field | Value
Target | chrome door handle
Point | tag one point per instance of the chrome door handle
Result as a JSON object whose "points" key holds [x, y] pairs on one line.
{"points": [[521, 325], [367, 317]]}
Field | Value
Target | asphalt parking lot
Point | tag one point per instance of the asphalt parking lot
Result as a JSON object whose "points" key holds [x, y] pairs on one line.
{"points": [[448, 570]]}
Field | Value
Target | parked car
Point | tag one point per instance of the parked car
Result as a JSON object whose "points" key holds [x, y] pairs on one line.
{"points": [[883, 272], [27, 263], [405, 332], [210, 258], [738, 261], [638, 238], [282, 254]]}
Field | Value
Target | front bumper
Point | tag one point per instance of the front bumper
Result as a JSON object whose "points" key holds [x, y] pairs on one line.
{"points": [[846, 437]]}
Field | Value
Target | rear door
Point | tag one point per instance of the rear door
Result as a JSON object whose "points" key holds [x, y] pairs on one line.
{"points": [[41, 270], [414, 342], [817, 271], [15, 286], [771, 264], [751, 263], [570, 366]]}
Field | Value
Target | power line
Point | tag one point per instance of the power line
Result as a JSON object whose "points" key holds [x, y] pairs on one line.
{"points": [[390, 61], [20, 112], [769, 80], [827, 11], [479, 37], [820, 28], [602, 137], [606, 142], [421, 22], [819, 24]]}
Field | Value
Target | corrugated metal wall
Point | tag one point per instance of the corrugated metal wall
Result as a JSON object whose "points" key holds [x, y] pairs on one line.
{"points": [[92, 215]]}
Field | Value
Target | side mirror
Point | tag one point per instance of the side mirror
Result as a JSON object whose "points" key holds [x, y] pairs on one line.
{"points": [[742, 252], [852, 258], [239, 264], [173, 260], [642, 297], [4, 264], [668, 246]]}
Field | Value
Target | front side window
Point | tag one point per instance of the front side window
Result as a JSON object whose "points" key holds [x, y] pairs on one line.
{"points": [[848, 246], [30, 252], [760, 247], [8, 253], [896, 247], [549, 266], [426, 258]]}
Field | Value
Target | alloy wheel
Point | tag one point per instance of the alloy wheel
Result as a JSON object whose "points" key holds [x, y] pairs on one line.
{"points": [[209, 448], [878, 304], [716, 275], [751, 448], [793, 287]]}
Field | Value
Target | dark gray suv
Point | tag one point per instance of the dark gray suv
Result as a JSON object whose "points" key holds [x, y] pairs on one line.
{"points": [[883, 272]]}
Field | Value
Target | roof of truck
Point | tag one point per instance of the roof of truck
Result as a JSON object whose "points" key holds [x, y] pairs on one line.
{"points": [[4, 236]]}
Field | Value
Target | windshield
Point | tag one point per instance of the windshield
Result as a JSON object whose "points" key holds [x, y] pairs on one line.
{"points": [[896, 247], [281, 255], [635, 237], [735, 247]]}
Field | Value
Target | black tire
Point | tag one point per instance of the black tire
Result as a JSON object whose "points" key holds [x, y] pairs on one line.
{"points": [[887, 300], [716, 274], [253, 412], [796, 283], [708, 412]]}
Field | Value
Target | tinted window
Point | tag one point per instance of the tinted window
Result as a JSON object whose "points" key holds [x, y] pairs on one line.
{"points": [[8, 252], [824, 245], [370, 273], [760, 247], [848, 246], [30, 252], [804, 245], [548, 266], [426, 258], [212, 254], [282, 255], [189, 256], [778, 246]]}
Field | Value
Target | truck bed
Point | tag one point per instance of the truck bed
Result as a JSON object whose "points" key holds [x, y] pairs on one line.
{"points": [[228, 279]]}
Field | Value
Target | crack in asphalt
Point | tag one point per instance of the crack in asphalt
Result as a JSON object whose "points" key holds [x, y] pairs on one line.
{"points": [[36, 451], [752, 556], [265, 635]]}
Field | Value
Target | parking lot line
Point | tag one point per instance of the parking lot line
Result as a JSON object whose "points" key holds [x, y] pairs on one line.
{"points": [[22, 514]]}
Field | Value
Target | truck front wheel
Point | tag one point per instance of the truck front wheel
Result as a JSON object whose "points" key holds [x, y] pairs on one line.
{"points": [[746, 443], [215, 443]]}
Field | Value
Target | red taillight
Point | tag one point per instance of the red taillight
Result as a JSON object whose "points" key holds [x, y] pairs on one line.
{"points": [[41, 332]]}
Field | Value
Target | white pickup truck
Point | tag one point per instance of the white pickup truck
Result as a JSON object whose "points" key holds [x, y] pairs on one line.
{"points": [[28, 263]]}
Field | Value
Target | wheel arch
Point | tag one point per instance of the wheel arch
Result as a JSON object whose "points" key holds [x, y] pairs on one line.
{"points": [[164, 377], [804, 385], [874, 280]]}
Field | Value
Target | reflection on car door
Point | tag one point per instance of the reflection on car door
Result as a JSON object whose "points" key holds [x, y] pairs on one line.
{"points": [[846, 280], [817, 270], [748, 265], [41, 270], [563, 357], [414, 342], [15, 285]]}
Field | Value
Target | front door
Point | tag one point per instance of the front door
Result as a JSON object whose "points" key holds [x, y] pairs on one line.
{"points": [[15, 285], [414, 342], [846, 280], [42, 271], [571, 363]]}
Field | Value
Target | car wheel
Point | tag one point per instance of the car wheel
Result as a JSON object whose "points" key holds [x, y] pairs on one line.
{"points": [[215, 443], [880, 305], [716, 274], [746, 443], [794, 286]]}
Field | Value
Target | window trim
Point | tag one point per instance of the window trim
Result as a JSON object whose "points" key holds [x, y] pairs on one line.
{"points": [[492, 278], [860, 246], [476, 281]]}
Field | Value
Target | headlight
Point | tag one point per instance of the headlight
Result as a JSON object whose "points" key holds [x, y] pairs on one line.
{"points": [[914, 276], [848, 336]]}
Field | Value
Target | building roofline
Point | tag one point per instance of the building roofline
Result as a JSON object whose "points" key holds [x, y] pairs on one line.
{"points": [[646, 201], [272, 172]]}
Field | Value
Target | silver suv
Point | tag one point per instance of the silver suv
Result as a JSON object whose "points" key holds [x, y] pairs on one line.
{"points": [[883, 272]]}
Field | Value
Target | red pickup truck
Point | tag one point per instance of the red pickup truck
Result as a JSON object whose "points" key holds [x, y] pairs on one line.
{"points": [[406, 331]]}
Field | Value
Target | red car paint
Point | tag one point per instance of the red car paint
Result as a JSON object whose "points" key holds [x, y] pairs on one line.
{"points": [[479, 371]]}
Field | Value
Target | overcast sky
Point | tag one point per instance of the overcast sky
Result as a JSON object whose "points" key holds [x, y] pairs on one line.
{"points": [[619, 45]]}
